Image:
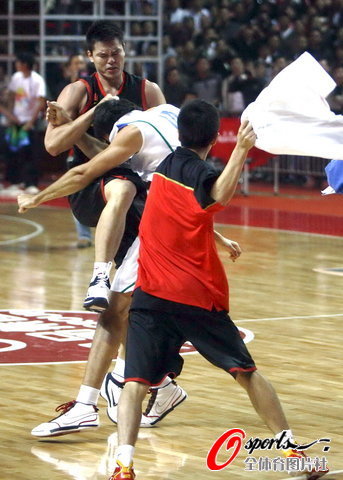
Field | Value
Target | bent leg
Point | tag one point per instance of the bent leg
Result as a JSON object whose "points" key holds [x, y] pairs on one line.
{"points": [[264, 399], [110, 331], [111, 225]]}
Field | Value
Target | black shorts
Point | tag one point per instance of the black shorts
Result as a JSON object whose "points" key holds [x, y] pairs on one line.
{"points": [[88, 204], [155, 337]]}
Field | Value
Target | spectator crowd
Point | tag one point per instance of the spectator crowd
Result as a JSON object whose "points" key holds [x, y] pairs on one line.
{"points": [[223, 51]]}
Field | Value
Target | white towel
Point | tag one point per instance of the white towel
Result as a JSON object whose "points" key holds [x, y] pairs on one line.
{"points": [[291, 115]]}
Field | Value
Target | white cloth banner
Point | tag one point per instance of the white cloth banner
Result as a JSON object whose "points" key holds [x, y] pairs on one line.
{"points": [[291, 116]]}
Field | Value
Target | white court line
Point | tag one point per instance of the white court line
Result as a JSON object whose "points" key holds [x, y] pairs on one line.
{"points": [[271, 319], [303, 477], [38, 230]]}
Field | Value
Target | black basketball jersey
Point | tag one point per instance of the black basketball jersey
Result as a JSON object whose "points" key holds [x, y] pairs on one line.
{"points": [[132, 88]]}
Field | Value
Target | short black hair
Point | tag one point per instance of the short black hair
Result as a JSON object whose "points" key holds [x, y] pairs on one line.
{"points": [[103, 31], [108, 113], [198, 124], [27, 58]]}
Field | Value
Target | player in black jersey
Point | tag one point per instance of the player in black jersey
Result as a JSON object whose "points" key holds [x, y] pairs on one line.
{"points": [[105, 46], [106, 50]]}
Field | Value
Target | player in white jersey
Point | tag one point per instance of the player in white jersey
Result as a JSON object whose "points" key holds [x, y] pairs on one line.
{"points": [[146, 138]]}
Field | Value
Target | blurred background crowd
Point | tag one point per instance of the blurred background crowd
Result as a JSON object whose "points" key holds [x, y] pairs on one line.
{"points": [[224, 51]]}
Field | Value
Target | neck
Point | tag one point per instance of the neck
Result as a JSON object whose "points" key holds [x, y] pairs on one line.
{"points": [[201, 152], [112, 83]]}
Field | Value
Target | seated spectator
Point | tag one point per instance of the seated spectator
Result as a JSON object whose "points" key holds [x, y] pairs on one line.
{"points": [[175, 89], [205, 83], [240, 88]]}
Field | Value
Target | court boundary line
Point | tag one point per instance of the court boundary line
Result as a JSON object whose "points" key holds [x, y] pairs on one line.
{"points": [[38, 230]]}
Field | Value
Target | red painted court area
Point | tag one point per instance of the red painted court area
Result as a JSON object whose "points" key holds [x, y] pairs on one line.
{"points": [[295, 209]]}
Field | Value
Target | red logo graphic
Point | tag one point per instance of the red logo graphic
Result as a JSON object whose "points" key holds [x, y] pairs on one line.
{"points": [[234, 439], [52, 336]]}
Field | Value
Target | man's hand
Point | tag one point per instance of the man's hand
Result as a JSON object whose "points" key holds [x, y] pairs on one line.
{"points": [[56, 115], [108, 97], [26, 201], [246, 136], [232, 247]]}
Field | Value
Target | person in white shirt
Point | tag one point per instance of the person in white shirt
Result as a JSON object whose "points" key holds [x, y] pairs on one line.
{"points": [[27, 95]]}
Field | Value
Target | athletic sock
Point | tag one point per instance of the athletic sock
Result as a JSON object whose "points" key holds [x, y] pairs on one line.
{"points": [[88, 395], [124, 454], [101, 268], [118, 371], [286, 435]]}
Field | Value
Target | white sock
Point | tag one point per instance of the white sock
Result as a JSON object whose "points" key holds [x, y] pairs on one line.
{"points": [[101, 267], [118, 371], [287, 435], [88, 395], [164, 383], [124, 453]]}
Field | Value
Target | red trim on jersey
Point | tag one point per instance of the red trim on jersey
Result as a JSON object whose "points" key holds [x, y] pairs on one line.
{"points": [[89, 96], [144, 100], [239, 369], [137, 379], [146, 382], [101, 88], [102, 188]]}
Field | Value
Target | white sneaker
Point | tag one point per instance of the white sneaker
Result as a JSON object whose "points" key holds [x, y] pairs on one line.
{"points": [[110, 391], [162, 401], [75, 417], [98, 292]]}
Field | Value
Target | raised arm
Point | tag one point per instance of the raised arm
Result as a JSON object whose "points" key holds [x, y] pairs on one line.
{"points": [[127, 142], [224, 187]]}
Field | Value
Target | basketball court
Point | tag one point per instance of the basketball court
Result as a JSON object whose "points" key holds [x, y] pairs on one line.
{"points": [[286, 298]]}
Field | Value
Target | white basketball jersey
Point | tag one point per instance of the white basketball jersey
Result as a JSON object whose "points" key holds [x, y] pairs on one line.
{"points": [[158, 127]]}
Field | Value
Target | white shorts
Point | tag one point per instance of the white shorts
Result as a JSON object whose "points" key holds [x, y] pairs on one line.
{"points": [[126, 275]]}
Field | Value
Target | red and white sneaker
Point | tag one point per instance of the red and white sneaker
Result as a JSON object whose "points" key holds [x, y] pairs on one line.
{"points": [[162, 401], [310, 475], [74, 417], [123, 473]]}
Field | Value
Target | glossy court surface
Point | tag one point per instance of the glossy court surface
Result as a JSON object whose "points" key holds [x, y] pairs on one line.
{"points": [[286, 295]]}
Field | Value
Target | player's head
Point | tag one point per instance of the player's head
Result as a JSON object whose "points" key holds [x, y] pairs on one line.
{"points": [[198, 124], [108, 113], [104, 31], [105, 49]]}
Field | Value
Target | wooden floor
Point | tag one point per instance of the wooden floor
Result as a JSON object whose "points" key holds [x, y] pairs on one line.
{"points": [[282, 290]]}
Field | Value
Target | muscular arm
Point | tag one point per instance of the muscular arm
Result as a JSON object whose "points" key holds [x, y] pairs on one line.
{"points": [[153, 94], [60, 138], [225, 186], [124, 145]]}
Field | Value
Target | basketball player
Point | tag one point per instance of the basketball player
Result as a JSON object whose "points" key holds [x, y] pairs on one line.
{"points": [[149, 136], [181, 291], [123, 190], [106, 51]]}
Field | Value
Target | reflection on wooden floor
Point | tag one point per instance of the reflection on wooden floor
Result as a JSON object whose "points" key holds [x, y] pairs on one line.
{"points": [[295, 313]]}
